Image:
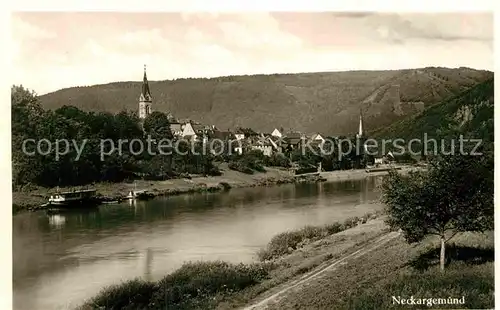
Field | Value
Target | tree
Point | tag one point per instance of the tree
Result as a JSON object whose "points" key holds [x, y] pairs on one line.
{"points": [[249, 132], [158, 126], [26, 118], [454, 195]]}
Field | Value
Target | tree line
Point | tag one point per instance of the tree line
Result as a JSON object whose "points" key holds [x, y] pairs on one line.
{"points": [[31, 121]]}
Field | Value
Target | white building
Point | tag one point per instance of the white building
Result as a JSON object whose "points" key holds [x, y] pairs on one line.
{"points": [[267, 149], [317, 138], [239, 136], [188, 132], [276, 133]]}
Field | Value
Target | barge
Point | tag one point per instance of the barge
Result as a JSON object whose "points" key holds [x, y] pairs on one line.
{"points": [[74, 198]]}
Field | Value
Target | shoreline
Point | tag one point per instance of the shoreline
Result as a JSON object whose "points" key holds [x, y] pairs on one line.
{"points": [[33, 200], [359, 174], [346, 257]]}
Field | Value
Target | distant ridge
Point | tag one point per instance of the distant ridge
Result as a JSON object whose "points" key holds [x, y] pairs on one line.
{"points": [[470, 113], [326, 102]]}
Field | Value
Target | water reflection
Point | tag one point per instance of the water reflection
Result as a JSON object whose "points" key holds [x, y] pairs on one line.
{"points": [[57, 220], [148, 264], [76, 253]]}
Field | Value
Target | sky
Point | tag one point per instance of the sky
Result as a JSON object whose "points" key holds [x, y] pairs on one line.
{"points": [[54, 50]]}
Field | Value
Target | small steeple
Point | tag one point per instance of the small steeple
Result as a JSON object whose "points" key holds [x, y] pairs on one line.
{"points": [[360, 129], [145, 93]]}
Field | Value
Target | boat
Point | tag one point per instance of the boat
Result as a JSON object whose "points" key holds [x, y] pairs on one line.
{"points": [[382, 169], [75, 197], [133, 194], [139, 194], [110, 202], [142, 194]]}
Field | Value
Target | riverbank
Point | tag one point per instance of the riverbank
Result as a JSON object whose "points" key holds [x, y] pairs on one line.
{"points": [[360, 267], [32, 199], [364, 267], [205, 284], [359, 174]]}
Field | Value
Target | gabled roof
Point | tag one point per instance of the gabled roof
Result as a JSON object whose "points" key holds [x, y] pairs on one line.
{"points": [[275, 139], [293, 138], [293, 141], [223, 135], [198, 127], [317, 137], [293, 135], [175, 127]]}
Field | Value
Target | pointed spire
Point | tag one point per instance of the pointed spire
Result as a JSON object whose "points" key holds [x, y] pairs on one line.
{"points": [[360, 129], [145, 94]]}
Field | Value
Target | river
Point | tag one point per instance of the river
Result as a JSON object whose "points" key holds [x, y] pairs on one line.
{"points": [[61, 260]]}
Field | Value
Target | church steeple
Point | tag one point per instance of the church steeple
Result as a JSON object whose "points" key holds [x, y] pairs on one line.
{"points": [[146, 93], [145, 98], [360, 129]]}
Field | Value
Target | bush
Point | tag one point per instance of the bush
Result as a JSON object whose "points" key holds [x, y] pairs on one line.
{"points": [[282, 243], [194, 285], [241, 167], [133, 294], [248, 162], [277, 160], [225, 186], [334, 228], [350, 222]]}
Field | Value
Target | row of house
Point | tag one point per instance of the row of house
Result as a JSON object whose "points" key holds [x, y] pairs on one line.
{"points": [[276, 141]]}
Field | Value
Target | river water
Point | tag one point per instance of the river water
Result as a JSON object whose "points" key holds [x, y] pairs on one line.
{"points": [[61, 260]]}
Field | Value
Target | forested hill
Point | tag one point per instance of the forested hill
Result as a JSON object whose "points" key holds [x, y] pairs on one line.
{"points": [[311, 102], [470, 113]]}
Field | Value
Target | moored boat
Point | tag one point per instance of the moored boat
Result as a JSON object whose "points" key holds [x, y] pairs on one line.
{"points": [[138, 194], [142, 194], [75, 197]]}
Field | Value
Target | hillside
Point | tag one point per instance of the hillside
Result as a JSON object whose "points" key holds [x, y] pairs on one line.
{"points": [[325, 102], [470, 113]]}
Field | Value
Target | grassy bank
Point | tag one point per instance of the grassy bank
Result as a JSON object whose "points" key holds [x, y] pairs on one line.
{"points": [[394, 269], [193, 286], [204, 285], [360, 174], [473, 283], [366, 282], [289, 241]]}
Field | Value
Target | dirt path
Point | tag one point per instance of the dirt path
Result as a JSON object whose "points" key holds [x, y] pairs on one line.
{"points": [[317, 273]]}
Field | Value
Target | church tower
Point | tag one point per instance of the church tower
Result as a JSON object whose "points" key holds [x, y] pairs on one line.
{"points": [[145, 100], [360, 129]]}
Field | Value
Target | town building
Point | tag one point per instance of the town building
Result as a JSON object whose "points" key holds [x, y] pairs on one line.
{"points": [[293, 140], [176, 128], [277, 133], [239, 135]]}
